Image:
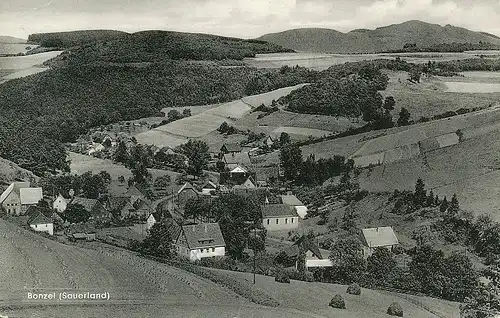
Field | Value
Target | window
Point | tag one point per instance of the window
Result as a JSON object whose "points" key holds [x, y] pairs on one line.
{"points": [[286, 220], [268, 221], [292, 220], [213, 249], [277, 221]]}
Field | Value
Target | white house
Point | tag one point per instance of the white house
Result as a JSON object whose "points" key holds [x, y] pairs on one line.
{"points": [[19, 196], [198, 241], [41, 223], [313, 255], [60, 203], [209, 188], [276, 217], [300, 208], [378, 237], [153, 219]]}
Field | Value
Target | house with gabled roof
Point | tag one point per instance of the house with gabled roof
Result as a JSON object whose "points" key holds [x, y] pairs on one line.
{"points": [[81, 231], [276, 217], [237, 158], [299, 207], [16, 199], [378, 237], [94, 207], [60, 203], [186, 193], [41, 223], [134, 194], [209, 187], [197, 241], [313, 256], [228, 148], [120, 207]]}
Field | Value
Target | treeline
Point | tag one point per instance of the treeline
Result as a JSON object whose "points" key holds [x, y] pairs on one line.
{"points": [[74, 38], [446, 47], [285, 76], [158, 46]]}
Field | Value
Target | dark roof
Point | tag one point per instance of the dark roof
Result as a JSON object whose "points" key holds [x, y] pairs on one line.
{"points": [[290, 199], [133, 190], [81, 228], [277, 210], [203, 235], [88, 204], [117, 203], [232, 147], [241, 158], [39, 219]]}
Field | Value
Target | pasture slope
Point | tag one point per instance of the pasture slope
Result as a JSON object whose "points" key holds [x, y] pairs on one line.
{"points": [[21, 66], [142, 288], [207, 121]]}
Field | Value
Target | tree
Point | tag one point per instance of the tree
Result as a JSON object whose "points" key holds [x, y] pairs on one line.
{"points": [[415, 75], [158, 242], [197, 154], [420, 195], [174, 115], [430, 199], [94, 186], [348, 261], [454, 207], [121, 153], [76, 213], [462, 280], [186, 112], [140, 175], [381, 264], [389, 103], [197, 208], [349, 219], [220, 166], [162, 181], [444, 205], [291, 161], [427, 265], [284, 139], [404, 117]]}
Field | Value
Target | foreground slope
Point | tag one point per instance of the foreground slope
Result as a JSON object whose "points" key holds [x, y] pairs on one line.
{"points": [[392, 37]]}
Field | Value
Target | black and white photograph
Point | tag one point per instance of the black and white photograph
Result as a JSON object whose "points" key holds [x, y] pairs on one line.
{"points": [[250, 158]]}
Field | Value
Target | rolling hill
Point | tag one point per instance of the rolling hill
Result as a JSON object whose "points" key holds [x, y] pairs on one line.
{"points": [[392, 37], [74, 38], [11, 40]]}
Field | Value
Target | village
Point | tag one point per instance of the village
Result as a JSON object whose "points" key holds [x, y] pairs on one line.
{"points": [[126, 218]]}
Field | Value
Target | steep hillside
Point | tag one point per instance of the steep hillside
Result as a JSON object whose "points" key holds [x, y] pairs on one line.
{"points": [[154, 46], [11, 40], [9, 172], [392, 37]]}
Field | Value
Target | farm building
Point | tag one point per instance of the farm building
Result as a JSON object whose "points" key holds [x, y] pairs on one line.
{"points": [[142, 208], [248, 184], [152, 220], [300, 208], [377, 237], [119, 206], [209, 188], [41, 223], [81, 231], [185, 193], [240, 158], [94, 207], [95, 148], [276, 217], [229, 148], [16, 199], [60, 203], [313, 257], [198, 241], [134, 194]]}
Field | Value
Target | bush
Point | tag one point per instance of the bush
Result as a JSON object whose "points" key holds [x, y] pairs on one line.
{"points": [[337, 302], [395, 310], [282, 277], [354, 289], [300, 275]]}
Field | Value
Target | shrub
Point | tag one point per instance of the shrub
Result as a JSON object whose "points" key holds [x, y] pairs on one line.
{"points": [[282, 277], [354, 289], [337, 302], [395, 310]]}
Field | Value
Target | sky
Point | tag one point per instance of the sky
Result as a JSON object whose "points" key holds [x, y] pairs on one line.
{"points": [[240, 18]]}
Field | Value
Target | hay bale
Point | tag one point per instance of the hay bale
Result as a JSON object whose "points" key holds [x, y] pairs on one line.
{"points": [[354, 289], [337, 302], [395, 309], [282, 277]]}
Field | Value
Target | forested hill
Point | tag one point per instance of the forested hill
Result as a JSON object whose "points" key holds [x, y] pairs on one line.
{"points": [[387, 38], [151, 46]]}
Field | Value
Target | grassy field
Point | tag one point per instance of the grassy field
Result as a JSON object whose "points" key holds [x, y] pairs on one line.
{"points": [[24, 62], [314, 298], [301, 131], [82, 163], [267, 98], [466, 87]]}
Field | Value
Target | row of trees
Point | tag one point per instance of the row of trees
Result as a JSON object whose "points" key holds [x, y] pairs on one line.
{"points": [[428, 271], [88, 185], [310, 171]]}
